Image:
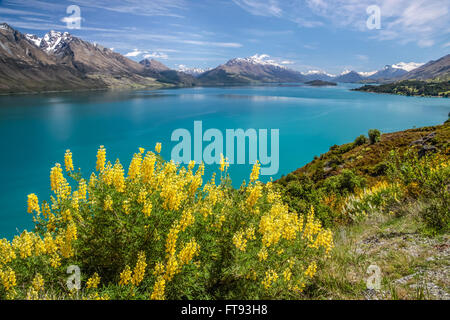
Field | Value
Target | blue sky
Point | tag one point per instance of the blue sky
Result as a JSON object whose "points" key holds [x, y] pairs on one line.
{"points": [[302, 34]]}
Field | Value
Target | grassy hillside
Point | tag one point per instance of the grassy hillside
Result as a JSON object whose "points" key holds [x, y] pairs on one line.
{"points": [[387, 203]]}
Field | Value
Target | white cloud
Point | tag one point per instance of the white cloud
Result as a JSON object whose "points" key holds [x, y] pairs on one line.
{"points": [[71, 20], [134, 53], [156, 55], [405, 21]]}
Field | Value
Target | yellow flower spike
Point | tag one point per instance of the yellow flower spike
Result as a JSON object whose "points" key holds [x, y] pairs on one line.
{"points": [[82, 189], [68, 163], [239, 240], [8, 279], [56, 177], [38, 282], [158, 289], [107, 206], [255, 171], [33, 203], [172, 268], [141, 150], [101, 159], [139, 270], [147, 210], [191, 165], [269, 279], [172, 239], [134, 170], [125, 276], [118, 178], [188, 252], [158, 147], [223, 163], [126, 206], [311, 270]]}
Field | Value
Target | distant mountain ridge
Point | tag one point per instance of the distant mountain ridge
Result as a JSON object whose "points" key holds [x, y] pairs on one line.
{"points": [[255, 69]]}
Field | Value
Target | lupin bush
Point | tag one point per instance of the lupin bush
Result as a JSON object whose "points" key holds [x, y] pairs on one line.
{"points": [[161, 232]]}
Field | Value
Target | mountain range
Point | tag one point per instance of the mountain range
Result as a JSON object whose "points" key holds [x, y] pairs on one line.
{"points": [[60, 61]]}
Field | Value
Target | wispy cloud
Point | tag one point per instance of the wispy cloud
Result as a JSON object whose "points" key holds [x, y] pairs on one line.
{"points": [[156, 55], [362, 57], [420, 21], [261, 8], [170, 8]]}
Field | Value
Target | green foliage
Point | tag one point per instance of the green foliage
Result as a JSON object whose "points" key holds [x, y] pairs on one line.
{"points": [[411, 88], [426, 179], [374, 136], [362, 139], [344, 183]]}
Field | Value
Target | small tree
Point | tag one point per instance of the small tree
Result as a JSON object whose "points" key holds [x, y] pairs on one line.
{"points": [[362, 139], [374, 135]]}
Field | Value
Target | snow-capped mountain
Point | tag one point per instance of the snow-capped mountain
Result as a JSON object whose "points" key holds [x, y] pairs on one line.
{"points": [[34, 39], [254, 69], [317, 75], [367, 74], [192, 71], [52, 43], [408, 66], [394, 71], [257, 59]]}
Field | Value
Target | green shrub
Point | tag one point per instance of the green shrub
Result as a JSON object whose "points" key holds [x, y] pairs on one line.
{"points": [[374, 136], [362, 139]]}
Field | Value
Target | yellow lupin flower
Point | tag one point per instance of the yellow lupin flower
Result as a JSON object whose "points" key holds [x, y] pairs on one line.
{"points": [[125, 276], [82, 189], [172, 239], [158, 147], [255, 171], [56, 177], [33, 203], [158, 289], [101, 158], [108, 203], [38, 282], [223, 163], [239, 240], [147, 210], [93, 281], [126, 206], [134, 171], [68, 163], [118, 178], [8, 278], [311, 270], [139, 270], [188, 252], [270, 278]]}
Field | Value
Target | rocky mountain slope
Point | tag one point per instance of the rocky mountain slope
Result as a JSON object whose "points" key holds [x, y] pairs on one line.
{"points": [[60, 61], [435, 69]]}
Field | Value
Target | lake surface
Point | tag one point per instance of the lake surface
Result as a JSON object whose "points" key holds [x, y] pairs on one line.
{"points": [[36, 130]]}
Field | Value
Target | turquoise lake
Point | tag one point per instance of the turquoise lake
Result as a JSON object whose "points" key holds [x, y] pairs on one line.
{"points": [[36, 130]]}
